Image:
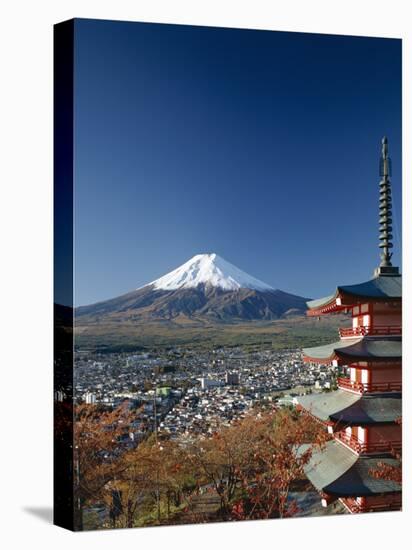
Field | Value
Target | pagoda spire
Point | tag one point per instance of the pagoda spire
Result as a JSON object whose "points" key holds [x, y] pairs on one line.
{"points": [[385, 214]]}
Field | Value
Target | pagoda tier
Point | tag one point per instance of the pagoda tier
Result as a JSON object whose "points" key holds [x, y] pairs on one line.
{"points": [[367, 425], [379, 289], [351, 350], [336, 472], [347, 408]]}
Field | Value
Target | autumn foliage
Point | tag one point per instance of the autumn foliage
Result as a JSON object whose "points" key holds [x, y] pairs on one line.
{"points": [[246, 470]]}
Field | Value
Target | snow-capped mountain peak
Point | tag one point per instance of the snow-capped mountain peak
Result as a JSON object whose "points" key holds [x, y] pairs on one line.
{"points": [[209, 270], [205, 287]]}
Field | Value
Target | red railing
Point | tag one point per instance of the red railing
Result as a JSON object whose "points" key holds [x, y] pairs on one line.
{"points": [[354, 507], [371, 447], [394, 330], [366, 387]]}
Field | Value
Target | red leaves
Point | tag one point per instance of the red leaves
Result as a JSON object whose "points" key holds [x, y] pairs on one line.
{"points": [[238, 510], [387, 472], [249, 466]]}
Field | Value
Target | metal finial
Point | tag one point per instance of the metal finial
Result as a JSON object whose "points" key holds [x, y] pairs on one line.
{"points": [[385, 207], [385, 167]]}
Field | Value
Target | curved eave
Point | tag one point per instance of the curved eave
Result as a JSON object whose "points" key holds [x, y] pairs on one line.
{"points": [[321, 306], [351, 350], [322, 405], [342, 407], [328, 352], [378, 289], [337, 471]]}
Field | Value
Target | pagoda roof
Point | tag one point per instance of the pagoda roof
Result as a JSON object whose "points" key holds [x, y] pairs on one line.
{"points": [[351, 408], [353, 349], [338, 471], [383, 287]]}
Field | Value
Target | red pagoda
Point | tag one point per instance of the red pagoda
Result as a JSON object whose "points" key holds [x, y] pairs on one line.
{"points": [[363, 414]]}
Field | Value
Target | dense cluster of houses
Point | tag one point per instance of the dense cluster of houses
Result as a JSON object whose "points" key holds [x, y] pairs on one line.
{"points": [[183, 392]]}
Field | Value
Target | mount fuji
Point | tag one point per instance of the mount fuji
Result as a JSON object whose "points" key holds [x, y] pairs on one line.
{"points": [[209, 270], [206, 286]]}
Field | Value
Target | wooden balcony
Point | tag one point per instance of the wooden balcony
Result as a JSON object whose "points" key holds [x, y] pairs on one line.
{"points": [[391, 503], [353, 332], [368, 448], [366, 387]]}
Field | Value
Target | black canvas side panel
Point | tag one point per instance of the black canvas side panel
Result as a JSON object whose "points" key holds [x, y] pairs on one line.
{"points": [[63, 276]]}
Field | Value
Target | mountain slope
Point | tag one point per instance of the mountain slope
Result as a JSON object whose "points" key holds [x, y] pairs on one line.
{"points": [[204, 287]]}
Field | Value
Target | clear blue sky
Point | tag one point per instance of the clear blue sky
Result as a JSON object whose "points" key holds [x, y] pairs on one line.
{"points": [[260, 146]]}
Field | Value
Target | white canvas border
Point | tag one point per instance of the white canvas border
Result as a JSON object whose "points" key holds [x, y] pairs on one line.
{"points": [[26, 228]]}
